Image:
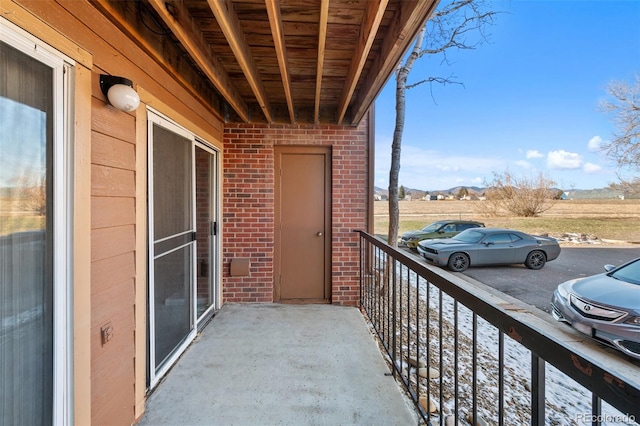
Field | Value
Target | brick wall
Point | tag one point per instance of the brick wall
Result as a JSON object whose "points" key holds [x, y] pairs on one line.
{"points": [[248, 204]]}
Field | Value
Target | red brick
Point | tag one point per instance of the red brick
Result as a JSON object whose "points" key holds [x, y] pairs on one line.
{"points": [[248, 207]]}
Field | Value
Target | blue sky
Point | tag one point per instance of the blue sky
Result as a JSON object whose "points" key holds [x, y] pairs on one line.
{"points": [[529, 103], [23, 142]]}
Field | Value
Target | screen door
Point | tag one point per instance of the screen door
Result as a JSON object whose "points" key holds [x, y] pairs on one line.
{"points": [[184, 286], [173, 243]]}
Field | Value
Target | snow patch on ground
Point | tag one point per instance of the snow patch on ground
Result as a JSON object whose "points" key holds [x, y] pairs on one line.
{"points": [[567, 402]]}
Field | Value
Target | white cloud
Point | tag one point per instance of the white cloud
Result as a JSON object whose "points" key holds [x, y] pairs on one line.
{"points": [[524, 164], [562, 159], [532, 153], [592, 168], [434, 169], [595, 143]]}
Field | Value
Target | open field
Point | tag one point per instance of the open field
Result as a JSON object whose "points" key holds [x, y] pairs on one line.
{"points": [[617, 220], [18, 223]]}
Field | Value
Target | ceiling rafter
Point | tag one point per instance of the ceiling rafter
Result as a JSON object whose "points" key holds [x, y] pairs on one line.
{"points": [[297, 61], [322, 40], [368, 30], [410, 17], [232, 29], [192, 40], [277, 30]]}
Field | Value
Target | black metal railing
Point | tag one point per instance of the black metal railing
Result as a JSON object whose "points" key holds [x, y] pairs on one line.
{"points": [[464, 353]]}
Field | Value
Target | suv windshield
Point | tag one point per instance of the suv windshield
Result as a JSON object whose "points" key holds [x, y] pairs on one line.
{"points": [[433, 227]]}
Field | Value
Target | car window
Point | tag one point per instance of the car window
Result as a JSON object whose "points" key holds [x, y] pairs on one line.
{"points": [[515, 237], [629, 273], [498, 239], [469, 236], [450, 227], [432, 228], [463, 226]]}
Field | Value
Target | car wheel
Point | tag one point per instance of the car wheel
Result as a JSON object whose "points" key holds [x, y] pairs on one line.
{"points": [[458, 262], [535, 260]]}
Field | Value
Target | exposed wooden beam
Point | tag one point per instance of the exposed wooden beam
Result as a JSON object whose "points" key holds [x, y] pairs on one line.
{"points": [[277, 30], [193, 42], [368, 30], [410, 17], [230, 25], [322, 40]]}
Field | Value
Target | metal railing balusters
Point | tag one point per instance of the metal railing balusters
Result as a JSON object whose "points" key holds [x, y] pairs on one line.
{"points": [[387, 274], [408, 329], [441, 348], [417, 333], [537, 390], [455, 360], [428, 335], [394, 328], [474, 367], [596, 410], [500, 378]]}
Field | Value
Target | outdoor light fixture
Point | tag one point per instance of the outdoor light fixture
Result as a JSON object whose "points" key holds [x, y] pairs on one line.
{"points": [[119, 91]]}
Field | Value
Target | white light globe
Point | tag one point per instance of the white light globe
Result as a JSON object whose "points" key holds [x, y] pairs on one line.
{"points": [[123, 97]]}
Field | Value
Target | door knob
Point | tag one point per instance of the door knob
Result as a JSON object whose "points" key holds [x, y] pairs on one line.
{"points": [[319, 234]]}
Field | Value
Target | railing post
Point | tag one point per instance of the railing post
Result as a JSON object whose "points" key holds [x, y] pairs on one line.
{"points": [[500, 378], [394, 329], [537, 390], [596, 409], [361, 269]]}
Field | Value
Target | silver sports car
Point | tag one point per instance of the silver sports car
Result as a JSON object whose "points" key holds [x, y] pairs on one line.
{"points": [[606, 306], [490, 246]]}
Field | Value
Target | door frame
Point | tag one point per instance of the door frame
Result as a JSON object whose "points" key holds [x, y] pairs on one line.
{"points": [[277, 261], [155, 374], [63, 224], [214, 249]]}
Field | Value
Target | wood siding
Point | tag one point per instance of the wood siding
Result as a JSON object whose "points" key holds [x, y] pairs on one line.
{"points": [[116, 290], [76, 27]]}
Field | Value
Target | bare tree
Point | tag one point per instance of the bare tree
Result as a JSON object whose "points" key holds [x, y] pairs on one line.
{"points": [[624, 109], [517, 195], [459, 24], [30, 193], [627, 187]]}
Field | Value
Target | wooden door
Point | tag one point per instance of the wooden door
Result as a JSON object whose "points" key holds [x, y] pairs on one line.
{"points": [[303, 225]]}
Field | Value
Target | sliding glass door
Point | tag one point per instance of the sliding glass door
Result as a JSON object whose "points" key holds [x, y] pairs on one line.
{"points": [[182, 265], [207, 228], [33, 234], [172, 247]]}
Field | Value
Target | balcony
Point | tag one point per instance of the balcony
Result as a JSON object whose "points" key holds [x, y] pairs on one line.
{"points": [[467, 352], [457, 350]]}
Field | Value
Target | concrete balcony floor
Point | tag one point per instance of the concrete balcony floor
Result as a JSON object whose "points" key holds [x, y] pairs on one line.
{"points": [[281, 364]]}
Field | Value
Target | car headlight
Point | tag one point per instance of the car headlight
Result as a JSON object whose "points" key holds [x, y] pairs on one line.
{"points": [[563, 292], [633, 321]]}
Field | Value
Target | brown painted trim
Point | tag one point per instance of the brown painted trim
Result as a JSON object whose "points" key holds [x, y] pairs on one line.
{"points": [[31, 23], [371, 167], [82, 247], [140, 340]]}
